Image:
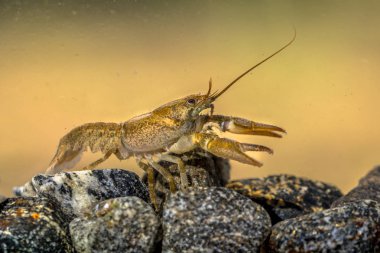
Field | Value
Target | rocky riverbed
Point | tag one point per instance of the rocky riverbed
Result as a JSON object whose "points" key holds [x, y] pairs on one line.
{"points": [[110, 211]]}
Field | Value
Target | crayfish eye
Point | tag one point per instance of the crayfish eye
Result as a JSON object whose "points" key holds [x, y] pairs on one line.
{"points": [[191, 101]]}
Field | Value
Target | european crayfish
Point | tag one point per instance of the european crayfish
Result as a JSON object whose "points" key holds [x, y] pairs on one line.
{"points": [[176, 127]]}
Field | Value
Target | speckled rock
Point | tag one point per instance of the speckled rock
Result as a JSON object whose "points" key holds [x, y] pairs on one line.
{"points": [[287, 196], [125, 224], [373, 177], [33, 225], [218, 169], [370, 191], [76, 192], [368, 188], [213, 220], [354, 227], [202, 171]]}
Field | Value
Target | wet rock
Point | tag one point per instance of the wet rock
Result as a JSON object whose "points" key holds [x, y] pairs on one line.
{"points": [[213, 220], [354, 227], [33, 225], [125, 224], [287, 196], [202, 171], [78, 191], [368, 188]]}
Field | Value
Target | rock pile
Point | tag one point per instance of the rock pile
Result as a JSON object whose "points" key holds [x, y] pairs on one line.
{"points": [[110, 211], [351, 224]]}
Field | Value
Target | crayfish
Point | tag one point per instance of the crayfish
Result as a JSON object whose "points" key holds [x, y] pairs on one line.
{"points": [[176, 127]]}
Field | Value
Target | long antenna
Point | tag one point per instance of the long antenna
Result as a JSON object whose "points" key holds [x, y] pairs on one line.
{"points": [[255, 66]]}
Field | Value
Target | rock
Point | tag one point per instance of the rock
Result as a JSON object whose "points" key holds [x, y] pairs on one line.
{"points": [[126, 224], [287, 196], [33, 225], [78, 191], [218, 169], [373, 177], [202, 171], [354, 227], [213, 220], [370, 191], [368, 188]]}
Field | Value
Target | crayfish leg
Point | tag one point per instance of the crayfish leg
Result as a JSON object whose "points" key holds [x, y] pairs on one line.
{"points": [[151, 183], [99, 161], [165, 173], [151, 187], [181, 167]]}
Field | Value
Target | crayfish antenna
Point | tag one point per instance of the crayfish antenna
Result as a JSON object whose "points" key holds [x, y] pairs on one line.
{"points": [[255, 66]]}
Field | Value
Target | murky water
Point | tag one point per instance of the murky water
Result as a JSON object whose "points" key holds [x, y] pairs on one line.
{"points": [[65, 63]]}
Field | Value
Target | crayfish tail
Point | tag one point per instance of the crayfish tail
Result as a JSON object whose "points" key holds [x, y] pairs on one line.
{"points": [[63, 160]]}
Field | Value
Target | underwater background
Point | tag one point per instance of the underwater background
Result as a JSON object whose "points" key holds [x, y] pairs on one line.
{"points": [[66, 63]]}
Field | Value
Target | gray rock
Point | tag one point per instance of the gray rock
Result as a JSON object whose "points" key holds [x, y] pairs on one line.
{"points": [[287, 196], [368, 188], [354, 227], [125, 224], [361, 192], [218, 169], [33, 225], [213, 220], [76, 192], [373, 177]]}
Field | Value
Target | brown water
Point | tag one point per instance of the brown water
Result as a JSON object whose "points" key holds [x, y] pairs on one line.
{"points": [[65, 63]]}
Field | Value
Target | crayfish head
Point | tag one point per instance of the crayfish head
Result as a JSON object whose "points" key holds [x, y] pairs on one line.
{"points": [[187, 108]]}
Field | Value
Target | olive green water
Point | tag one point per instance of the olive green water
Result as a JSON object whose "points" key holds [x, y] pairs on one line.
{"points": [[65, 63]]}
